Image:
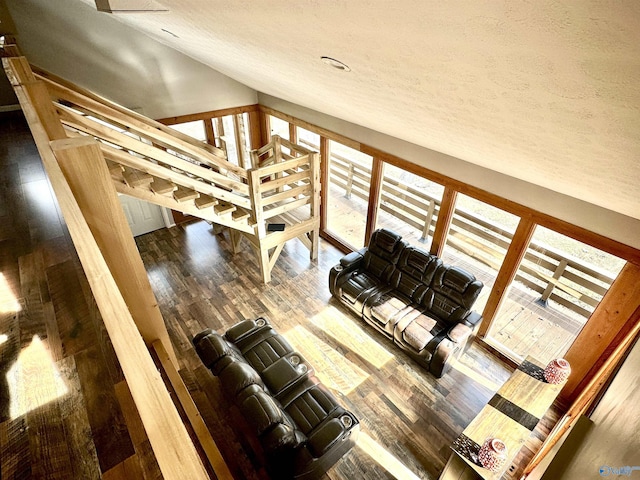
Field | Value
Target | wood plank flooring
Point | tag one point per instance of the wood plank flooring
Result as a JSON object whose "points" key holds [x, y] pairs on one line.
{"points": [[66, 411]]}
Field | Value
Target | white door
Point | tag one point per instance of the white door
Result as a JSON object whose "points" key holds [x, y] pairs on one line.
{"points": [[143, 217]]}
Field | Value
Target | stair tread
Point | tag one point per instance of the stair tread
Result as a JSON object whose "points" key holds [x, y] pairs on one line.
{"points": [[136, 178], [182, 194], [224, 208], [240, 214], [114, 168], [162, 186], [205, 201]]}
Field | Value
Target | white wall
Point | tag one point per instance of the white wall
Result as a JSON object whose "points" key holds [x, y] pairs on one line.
{"points": [[592, 217], [93, 49]]}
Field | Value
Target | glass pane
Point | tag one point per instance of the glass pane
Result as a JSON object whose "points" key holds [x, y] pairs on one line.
{"points": [[409, 205], [279, 127], [193, 129], [308, 139], [558, 285], [229, 140], [348, 193], [478, 240]]}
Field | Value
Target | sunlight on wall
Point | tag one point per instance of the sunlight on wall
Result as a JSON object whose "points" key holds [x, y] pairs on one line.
{"points": [[8, 300], [383, 458], [475, 376], [33, 379], [334, 370], [347, 332]]}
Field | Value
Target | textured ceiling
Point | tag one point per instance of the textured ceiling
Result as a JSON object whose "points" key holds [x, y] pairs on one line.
{"points": [[545, 91]]}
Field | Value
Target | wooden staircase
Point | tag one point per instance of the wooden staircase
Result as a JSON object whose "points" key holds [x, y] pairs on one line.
{"points": [[160, 165]]}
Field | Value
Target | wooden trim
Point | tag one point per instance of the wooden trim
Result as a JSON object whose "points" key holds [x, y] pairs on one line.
{"points": [[594, 343], [323, 132], [325, 161], [265, 128], [255, 130], [506, 274], [199, 427], [445, 215], [596, 240], [375, 188], [210, 132], [223, 112]]}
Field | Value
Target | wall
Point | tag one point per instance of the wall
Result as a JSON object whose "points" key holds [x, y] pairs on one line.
{"points": [[95, 50], [592, 217]]}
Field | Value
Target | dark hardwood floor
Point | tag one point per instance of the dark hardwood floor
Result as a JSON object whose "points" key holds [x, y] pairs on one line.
{"points": [[65, 408]]}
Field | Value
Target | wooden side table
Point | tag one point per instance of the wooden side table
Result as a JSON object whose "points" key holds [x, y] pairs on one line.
{"points": [[511, 415]]}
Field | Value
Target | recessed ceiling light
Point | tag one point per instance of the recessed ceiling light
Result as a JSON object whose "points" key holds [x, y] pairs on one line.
{"points": [[337, 64]]}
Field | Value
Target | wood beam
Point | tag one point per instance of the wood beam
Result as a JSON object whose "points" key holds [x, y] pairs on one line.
{"points": [[83, 165], [223, 112], [596, 340], [325, 154], [445, 215], [375, 188], [255, 130], [507, 273]]}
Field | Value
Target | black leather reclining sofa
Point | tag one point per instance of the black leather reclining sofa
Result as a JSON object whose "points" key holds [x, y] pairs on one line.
{"points": [[301, 428], [410, 296]]}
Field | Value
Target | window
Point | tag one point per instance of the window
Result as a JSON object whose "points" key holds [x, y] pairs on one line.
{"points": [[193, 129], [349, 178], [478, 239], [409, 205], [557, 286]]}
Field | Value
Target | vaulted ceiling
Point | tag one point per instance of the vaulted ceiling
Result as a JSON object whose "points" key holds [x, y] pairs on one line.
{"points": [[547, 91]]}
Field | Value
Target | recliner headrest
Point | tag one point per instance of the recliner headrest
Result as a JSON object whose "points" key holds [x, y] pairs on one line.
{"points": [[385, 239]]}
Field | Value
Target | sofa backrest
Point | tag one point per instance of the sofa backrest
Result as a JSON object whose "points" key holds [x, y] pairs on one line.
{"points": [[414, 273], [382, 254], [454, 293]]}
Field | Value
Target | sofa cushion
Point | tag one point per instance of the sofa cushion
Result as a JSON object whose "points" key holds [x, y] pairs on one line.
{"points": [[311, 407], [265, 353], [360, 283], [419, 332], [455, 291]]}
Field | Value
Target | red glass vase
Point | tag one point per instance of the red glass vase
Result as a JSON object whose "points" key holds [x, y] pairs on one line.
{"points": [[557, 371], [493, 454]]}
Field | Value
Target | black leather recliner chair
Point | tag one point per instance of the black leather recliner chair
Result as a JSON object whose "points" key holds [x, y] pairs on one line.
{"points": [[411, 297], [301, 428]]}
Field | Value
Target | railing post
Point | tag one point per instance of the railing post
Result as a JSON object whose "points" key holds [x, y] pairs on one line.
{"points": [[427, 220], [349, 181], [544, 298]]}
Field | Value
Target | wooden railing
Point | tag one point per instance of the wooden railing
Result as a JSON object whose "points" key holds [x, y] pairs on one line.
{"points": [[553, 274]]}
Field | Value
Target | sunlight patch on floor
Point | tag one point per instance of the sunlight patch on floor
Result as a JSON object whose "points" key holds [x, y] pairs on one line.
{"points": [[475, 376], [383, 458], [334, 370], [350, 334], [33, 379], [8, 300]]}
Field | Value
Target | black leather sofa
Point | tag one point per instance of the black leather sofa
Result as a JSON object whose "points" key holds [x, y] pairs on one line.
{"points": [[301, 429], [411, 297]]}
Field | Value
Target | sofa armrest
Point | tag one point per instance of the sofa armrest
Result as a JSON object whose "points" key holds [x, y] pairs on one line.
{"points": [[347, 264], [214, 351], [326, 435], [351, 260], [245, 329], [459, 333], [472, 319]]}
